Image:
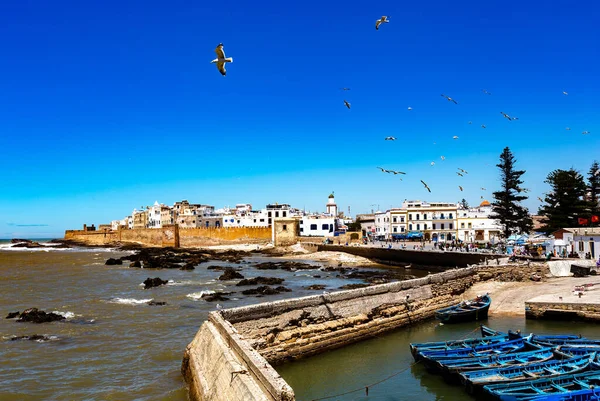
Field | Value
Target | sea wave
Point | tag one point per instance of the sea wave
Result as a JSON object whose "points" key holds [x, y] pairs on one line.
{"points": [[198, 295], [130, 301], [66, 315], [187, 282]]}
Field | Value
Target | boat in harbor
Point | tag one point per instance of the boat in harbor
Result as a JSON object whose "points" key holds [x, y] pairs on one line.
{"points": [[549, 341], [451, 369], [466, 311], [489, 336], [574, 387], [474, 381]]}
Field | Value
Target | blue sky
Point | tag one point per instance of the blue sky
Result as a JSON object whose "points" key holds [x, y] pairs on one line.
{"points": [[107, 106]]}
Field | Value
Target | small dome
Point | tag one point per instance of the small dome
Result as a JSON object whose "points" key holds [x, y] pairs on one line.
{"points": [[331, 196], [484, 203]]}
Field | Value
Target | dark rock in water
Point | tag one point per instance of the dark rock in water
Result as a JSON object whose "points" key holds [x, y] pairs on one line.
{"points": [[113, 261], [215, 267], [154, 282], [317, 276], [287, 265], [230, 274], [13, 315], [315, 287], [188, 266], [353, 286], [34, 315], [265, 290], [25, 243], [261, 280], [35, 337], [217, 296], [135, 264], [20, 240], [157, 303]]}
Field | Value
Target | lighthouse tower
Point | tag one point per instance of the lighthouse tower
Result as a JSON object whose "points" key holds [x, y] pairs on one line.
{"points": [[331, 206]]}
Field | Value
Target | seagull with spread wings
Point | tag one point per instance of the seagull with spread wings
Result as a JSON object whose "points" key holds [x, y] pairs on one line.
{"points": [[396, 172], [486, 92], [346, 103], [585, 132], [455, 137], [345, 89], [483, 189], [425, 185], [483, 126], [565, 93], [383, 170], [221, 59], [449, 99], [462, 171], [443, 158], [461, 188], [383, 20], [460, 174], [433, 163], [390, 138], [409, 108], [509, 118]]}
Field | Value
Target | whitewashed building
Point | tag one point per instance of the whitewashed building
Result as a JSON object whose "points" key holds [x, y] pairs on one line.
{"points": [[580, 240], [318, 226], [382, 224], [154, 216], [475, 225]]}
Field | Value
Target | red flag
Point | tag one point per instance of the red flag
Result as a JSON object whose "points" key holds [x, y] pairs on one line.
{"points": [[582, 221], [595, 219]]}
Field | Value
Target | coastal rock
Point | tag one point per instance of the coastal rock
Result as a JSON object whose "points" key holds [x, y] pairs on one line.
{"points": [[316, 287], [26, 244], [135, 264], [12, 315], [286, 265], [35, 337], [217, 296], [260, 280], [157, 303], [230, 274], [34, 315], [113, 261], [215, 267], [154, 282], [266, 290], [188, 266]]}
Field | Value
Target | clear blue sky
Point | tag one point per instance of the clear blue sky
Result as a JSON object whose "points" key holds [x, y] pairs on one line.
{"points": [[106, 106]]}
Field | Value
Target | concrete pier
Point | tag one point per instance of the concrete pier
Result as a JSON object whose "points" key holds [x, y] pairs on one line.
{"points": [[580, 300]]}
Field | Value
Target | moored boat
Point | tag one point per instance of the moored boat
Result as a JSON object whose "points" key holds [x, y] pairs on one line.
{"points": [[550, 341], [474, 381], [477, 351], [564, 387], [466, 311]]}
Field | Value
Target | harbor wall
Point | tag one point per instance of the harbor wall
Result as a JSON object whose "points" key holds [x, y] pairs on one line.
{"points": [[172, 235], [562, 310], [254, 338]]}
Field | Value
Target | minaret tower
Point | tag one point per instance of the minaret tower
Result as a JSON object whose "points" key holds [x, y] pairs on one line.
{"points": [[331, 206]]}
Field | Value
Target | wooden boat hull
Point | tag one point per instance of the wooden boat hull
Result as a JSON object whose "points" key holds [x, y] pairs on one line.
{"points": [[477, 310], [474, 381]]}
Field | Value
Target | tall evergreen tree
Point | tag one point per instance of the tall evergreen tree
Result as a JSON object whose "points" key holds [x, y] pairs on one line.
{"points": [[565, 202], [507, 208], [593, 189], [464, 203]]}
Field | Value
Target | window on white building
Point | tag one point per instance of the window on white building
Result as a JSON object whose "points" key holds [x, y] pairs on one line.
{"points": [[425, 216], [470, 225], [418, 217], [410, 226], [410, 216], [313, 227], [283, 214], [418, 226], [442, 226], [401, 219], [325, 226], [276, 214], [401, 229], [450, 226], [395, 229], [462, 225], [394, 220]]}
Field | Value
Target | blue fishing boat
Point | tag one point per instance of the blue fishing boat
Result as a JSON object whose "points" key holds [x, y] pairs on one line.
{"points": [[466, 311], [477, 351], [489, 336], [565, 387], [567, 351], [474, 381], [451, 369], [549, 341]]}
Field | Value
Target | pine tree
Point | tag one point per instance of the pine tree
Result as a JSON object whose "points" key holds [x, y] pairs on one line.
{"points": [[464, 203], [506, 206], [565, 202], [593, 189]]}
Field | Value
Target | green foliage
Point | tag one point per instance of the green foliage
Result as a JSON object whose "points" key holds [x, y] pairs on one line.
{"points": [[565, 202], [464, 203], [593, 189], [507, 209]]}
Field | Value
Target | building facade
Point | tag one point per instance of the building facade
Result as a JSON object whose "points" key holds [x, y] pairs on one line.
{"points": [[475, 225]]}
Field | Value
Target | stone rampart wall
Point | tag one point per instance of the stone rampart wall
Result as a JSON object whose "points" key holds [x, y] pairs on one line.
{"points": [[565, 310]]}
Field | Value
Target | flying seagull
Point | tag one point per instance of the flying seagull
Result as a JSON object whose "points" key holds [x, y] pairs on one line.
{"points": [[486, 92], [396, 172], [433, 163], [409, 108], [470, 122], [347, 104], [483, 189], [540, 199], [483, 126], [461, 188], [568, 129], [449, 99], [221, 59], [380, 21], [463, 171], [383, 170], [565, 93], [585, 132], [455, 137], [390, 138], [459, 174], [425, 185], [345, 89], [443, 157], [509, 118]]}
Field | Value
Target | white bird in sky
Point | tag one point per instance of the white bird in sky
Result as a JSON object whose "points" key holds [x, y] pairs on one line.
{"points": [[483, 189], [221, 59], [483, 126], [383, 170], [509, 118], [443, 157], [540, 199], [347, 104], [455, 137], [565, 93], [449, 99], [463, 171], [425, 185], [345, 89], [486, 92], [396, 172], [382, 20], [470, 122], [390, 138], [585, 132], [568, 129], [433, 163], [461, 188], [409, 108], [459, 174]]}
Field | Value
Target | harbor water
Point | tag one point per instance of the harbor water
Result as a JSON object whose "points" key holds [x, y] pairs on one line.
{"points": [[114, 346]]}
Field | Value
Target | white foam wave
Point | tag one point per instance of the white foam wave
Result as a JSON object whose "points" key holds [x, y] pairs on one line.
{"points": [[187, 282], [130, 301], [198, 295], [66, 315]]}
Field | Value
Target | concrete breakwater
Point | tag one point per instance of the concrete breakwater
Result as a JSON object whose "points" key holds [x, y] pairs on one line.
{"points": [[232, 355], [431, 260]]}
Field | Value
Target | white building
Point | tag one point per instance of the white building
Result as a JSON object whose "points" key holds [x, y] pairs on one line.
{"points": [[123, 223], [382, 224], [246, 218], [580, 240], [154, 216], [475, 225], [318, 226]]}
